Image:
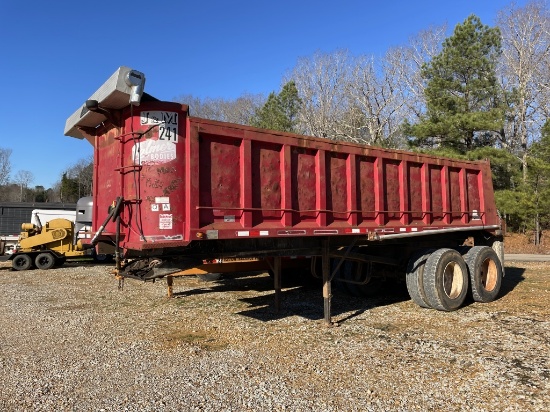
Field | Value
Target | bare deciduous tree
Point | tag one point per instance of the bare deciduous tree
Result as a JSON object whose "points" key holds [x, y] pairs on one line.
{"points": [[5, 166], [82, 173], [376, 91], [321, 83], [524, 74], [23, 178], [240, 110], [407, 61], [83, 170], [365, 99]]}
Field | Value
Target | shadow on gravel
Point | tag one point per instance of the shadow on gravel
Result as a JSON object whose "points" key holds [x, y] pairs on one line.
{"points": [[307, 302], [231, 282], [301, 296], [513, 277]]}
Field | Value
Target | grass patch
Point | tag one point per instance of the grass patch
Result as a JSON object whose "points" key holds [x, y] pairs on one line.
{"points": [[203, 340]]}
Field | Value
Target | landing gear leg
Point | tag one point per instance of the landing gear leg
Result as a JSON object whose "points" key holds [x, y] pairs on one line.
{"points": [[327, 288], [277, 281], [170, 285]]}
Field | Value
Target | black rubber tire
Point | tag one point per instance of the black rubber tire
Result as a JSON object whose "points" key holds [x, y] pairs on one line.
{"points": [[415, 278], [445, 280], [485, 271], [21, 262], [44, 261]]}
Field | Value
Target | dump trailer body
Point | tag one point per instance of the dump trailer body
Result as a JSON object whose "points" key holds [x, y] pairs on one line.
{"points": [[198, 179], [167, 185]]}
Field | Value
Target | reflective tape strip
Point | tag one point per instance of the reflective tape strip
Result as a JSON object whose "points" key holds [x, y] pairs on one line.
{"points": [[356, 230], [246, 233]]}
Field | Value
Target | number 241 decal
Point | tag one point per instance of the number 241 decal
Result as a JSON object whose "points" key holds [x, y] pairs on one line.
{"points": [[168, 133]]}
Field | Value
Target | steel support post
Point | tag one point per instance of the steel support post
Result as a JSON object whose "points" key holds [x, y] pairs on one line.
{"points": [[327, 292], [170, 284], [277, 281], [118, 265]]}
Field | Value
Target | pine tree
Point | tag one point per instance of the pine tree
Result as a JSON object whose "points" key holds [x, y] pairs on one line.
{"points": [[280, 110], [539, 179], [462, 93], [69, 189]]}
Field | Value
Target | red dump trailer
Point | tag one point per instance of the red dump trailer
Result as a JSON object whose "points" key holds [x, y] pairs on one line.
{"points": [[171, 190]]}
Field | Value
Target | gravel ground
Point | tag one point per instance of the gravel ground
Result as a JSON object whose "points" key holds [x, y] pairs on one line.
{"points": [[70, 340]]}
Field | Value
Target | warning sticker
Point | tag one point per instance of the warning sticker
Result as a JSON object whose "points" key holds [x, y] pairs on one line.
{"points": [[165, 221]]}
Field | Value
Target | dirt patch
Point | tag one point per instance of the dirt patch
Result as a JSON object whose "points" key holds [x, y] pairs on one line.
{"points": [[524, 243]]}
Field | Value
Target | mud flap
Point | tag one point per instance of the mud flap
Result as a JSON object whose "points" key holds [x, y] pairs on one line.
{"points": [[498, 247]]}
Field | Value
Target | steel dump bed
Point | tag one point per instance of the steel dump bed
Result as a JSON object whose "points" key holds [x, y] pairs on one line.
{"points": [[184, 179], [191, 179]]}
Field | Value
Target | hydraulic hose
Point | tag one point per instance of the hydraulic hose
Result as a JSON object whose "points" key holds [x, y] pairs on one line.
{"points": [[115, 211]]}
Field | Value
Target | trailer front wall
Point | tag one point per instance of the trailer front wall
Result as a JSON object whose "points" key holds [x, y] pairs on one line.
{"points": [[143, 161]]}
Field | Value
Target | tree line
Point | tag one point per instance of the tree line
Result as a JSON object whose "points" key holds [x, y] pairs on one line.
{"points": [[75, 182], [474, 93]]}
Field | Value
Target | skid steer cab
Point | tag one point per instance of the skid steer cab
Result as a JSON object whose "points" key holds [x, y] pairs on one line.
{"points": [[44, 247]]}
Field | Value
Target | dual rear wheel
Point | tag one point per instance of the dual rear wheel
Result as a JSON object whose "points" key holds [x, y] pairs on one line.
{"points": [[42, 261], [441, 279]]}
